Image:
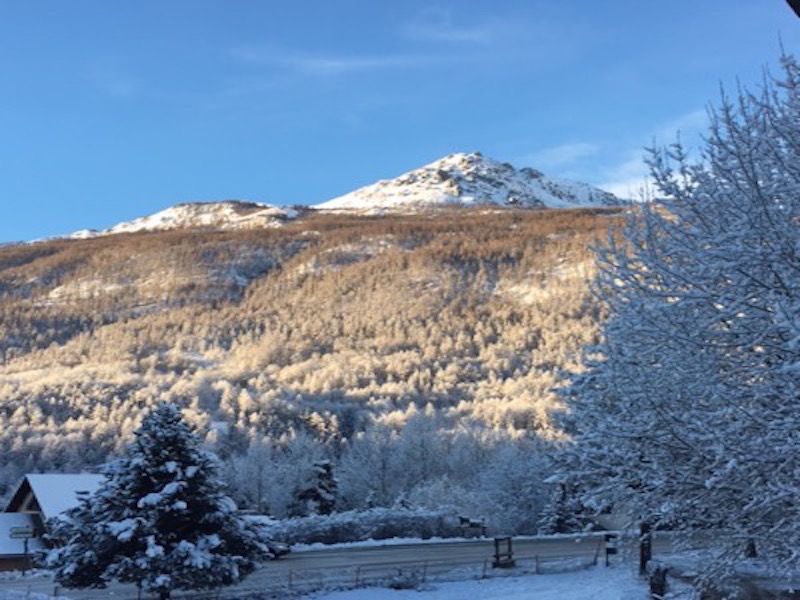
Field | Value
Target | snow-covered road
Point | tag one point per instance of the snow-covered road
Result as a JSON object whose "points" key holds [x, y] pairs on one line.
{"points": [[348, 563]]}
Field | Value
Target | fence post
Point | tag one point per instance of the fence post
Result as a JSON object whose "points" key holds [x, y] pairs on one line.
{"points": [[658, 583], [485, 566], [537, 564], [612, 548], [424, 571], [290, 580], [645, 546], [358, 574], [55, 591]]}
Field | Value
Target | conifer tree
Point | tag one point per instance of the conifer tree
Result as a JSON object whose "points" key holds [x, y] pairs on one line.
{"points": [[320, 495], [160, 520], [564, 513]]}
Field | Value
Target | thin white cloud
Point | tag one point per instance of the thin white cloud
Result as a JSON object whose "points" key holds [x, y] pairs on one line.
{"points": [[338, 65], [560, 156], [438, 24], [689, 124], [629, 178], [452, 39], [331, 65]]}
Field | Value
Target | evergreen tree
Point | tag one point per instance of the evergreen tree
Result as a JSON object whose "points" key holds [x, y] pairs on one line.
{"points": [[564, 512], [320, 496], [160, 520]]}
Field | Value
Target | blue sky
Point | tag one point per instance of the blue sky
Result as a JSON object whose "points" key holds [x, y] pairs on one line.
{"points": [[112, 110]]}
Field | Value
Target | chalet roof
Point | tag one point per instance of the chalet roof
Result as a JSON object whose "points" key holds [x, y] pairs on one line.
{"points": [[9, 547], [55, 493]]}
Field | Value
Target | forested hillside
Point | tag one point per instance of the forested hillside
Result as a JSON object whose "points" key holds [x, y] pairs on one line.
{"points": [[416, 352]]}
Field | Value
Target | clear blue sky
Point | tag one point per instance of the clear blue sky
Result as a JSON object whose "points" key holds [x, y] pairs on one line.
{"points": [[111, 110]]}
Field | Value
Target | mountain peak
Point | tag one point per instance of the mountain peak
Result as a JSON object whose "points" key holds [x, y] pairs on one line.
{"points": [[222, 214], [470, 179]]}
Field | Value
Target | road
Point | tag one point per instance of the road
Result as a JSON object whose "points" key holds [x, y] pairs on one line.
{"points": [[310, 567]]}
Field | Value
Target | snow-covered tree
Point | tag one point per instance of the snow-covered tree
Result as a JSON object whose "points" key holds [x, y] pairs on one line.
{"points": [[160, 520], [251, 476], [564, 512], [369, 469], [513, 481], [319, 495], [687, 411]]}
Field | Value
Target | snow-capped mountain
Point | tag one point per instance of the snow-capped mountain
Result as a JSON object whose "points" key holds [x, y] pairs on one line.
{"points": [[460, 179], [226, 214], [469, 179]]}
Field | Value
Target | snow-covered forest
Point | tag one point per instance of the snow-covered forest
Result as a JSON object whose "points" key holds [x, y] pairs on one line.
{"points": [[416, 353]]}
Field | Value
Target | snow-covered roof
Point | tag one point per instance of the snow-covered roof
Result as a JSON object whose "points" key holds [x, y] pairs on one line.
{"points": [[58, 492], [11, 547]]}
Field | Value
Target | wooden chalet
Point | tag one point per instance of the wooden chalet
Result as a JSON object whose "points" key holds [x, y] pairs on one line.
{"points": [[38, 498]]}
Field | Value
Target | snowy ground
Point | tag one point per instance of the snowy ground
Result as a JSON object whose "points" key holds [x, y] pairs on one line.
{"points": [[600, 583], [594, 584], [24, 595]]}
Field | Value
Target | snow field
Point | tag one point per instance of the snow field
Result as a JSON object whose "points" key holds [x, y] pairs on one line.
{"points": [[20, 595]]}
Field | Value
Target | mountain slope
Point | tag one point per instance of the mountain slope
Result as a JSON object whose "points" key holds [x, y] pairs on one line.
{"points": [[467, 180], [324, 325], [225, 214]]}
